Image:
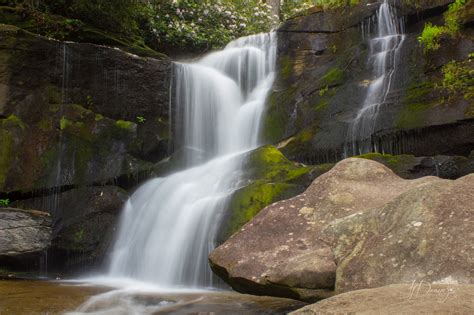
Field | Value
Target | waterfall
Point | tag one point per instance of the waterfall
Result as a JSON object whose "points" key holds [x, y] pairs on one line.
{"points": [[169, 225], [384, 55]]}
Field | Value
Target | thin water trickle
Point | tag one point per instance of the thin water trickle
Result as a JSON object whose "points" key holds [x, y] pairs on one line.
{"points": [[384, 54], [170, 224]]}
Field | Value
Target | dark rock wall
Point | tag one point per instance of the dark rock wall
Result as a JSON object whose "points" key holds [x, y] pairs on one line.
{"points": [[322, 82], [77, 105], [76, 121]]}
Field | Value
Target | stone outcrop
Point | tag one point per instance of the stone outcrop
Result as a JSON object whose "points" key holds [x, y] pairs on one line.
{"points": [[409, 299], [269, 177], [425, 234], [24, 236], [84, 223], [323, 78], [75, 119], [412, 167], [69, 112], [347, 229]]}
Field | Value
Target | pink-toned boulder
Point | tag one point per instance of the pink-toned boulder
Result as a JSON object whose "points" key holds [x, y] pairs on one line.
{"points": [[358, 226]]}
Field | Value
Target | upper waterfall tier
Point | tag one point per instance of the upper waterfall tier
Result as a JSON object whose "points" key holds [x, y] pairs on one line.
{"points": [[169, 225]]}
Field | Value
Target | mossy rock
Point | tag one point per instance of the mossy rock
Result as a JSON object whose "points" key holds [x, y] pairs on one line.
{"points": [[418, 100], [272, 178], [91, 148], [10, 129], [333, 76], [276, 118], [67, 29]]}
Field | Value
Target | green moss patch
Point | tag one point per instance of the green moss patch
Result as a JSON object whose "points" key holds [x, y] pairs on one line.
{"points": [[273, 178], [333, 77], [276, 116], [394, 162], [417, 101], [8, 135], [62, 28]]}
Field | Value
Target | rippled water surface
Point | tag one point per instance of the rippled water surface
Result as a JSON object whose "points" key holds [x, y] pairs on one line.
{"points": [[45, 297]]}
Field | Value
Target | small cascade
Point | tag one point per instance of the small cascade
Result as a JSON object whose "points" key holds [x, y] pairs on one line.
{"points": [[169, 225], [383, 60]]}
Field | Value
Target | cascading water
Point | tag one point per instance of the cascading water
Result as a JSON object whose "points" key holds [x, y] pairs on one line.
{"points": [[169, 225], [383, 59]]}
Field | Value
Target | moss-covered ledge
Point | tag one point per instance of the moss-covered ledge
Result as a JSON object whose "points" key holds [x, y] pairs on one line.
{"points": [[67, 29], [272, 177]]}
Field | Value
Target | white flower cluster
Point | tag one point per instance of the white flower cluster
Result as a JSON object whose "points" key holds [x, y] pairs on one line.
{"points": [[214, 23]]}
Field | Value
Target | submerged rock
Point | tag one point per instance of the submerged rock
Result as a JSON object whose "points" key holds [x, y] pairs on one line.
{"points": [[318, 242], [24, 236], [410, 299]]}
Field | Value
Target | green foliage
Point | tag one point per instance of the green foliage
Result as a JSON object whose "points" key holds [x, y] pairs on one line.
{"points": [[456, 77], [451, 17], [122, 16], [333, 76], [430, 37], [211, 23], [191, 23], [141, 119], [4, 202], [89, 101], [432, 34], [323, 91], [123, 124], [291, 8]]}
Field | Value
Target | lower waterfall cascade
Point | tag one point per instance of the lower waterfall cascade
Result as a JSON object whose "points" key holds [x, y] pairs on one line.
{"points": [[169, 225]]}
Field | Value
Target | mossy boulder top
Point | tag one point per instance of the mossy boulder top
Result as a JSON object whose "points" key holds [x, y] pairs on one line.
{"points": [[331, 238]]}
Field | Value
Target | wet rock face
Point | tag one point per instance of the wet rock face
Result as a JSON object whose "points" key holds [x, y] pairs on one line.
{"points": [[73, 114], [84, 223], [346, 230], [323, 80], [24, 236]]}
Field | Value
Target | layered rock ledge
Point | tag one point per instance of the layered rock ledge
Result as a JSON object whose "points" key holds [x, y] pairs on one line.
{"points": [[24, 235]]}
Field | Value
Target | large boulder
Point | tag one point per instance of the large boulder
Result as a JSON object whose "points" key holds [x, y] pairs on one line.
{"points": [[410, 299], [269, 177], [425, 234], [24, 237], [308, 247]]}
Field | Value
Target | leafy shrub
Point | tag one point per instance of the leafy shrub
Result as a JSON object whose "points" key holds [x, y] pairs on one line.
{"points": [[456, 77], [212, 23], [431, 35], [4, 202]]}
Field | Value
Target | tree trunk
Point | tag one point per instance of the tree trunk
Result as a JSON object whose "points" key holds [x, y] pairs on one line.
{"points": [[275, 7]]}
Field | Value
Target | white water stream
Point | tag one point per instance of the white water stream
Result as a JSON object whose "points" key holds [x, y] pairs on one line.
{"points": [[383, 59], [169, 225]]}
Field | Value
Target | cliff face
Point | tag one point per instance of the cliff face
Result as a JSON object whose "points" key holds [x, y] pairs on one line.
{"points": [[324, 77], [76, 115], [98, 111]]}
